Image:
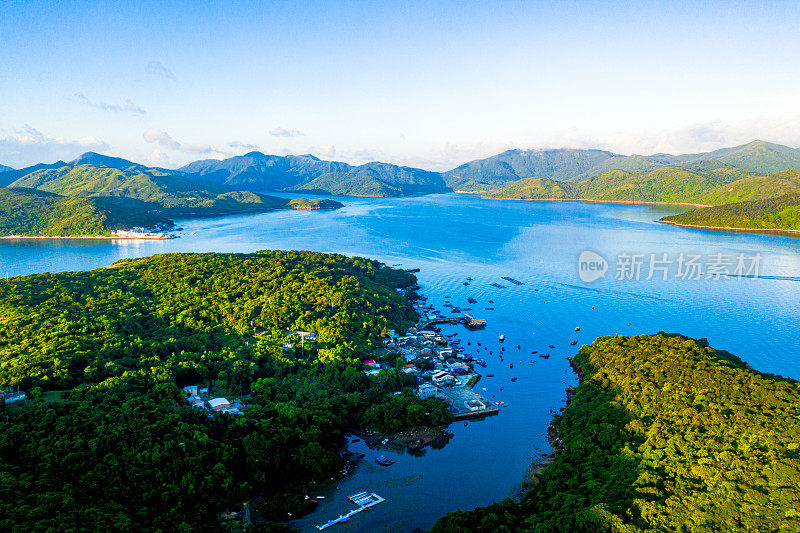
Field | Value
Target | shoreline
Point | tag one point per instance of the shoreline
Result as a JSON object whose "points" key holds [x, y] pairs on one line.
{"points": [[89, 237], [732, 229], [588, 201]]}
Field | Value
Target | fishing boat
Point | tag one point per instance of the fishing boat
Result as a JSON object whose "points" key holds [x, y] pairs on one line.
{"points": [[513, 379], [502, 338], [573, 343], [481, 362], [545, 356], [472, 300], [384, 461], [489, 375], [551, 346], [577, 328]]}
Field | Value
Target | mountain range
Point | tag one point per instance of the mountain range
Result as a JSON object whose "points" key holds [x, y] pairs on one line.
{"points": [[258, 172]]}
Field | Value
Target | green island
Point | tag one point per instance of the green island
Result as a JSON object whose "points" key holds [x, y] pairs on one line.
{"points": [[781, 213], [108, 440], [663, 433], [29, 212]]}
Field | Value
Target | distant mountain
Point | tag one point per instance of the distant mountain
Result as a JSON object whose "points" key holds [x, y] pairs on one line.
{"points": [[500, 170], [37, 213], [782, 212], [99, 160], [4, 168], [497, 171], [151, 190], [10, 176], [708, 183], [260, 172]]}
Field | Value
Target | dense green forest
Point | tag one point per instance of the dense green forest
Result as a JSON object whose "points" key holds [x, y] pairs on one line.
{"points": [[782, 212], [155, 190], [31, 212], [707, 183], [108, 441], [663, 434]]}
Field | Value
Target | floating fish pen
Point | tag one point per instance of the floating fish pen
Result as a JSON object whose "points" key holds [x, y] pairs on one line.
{"points": [[512, 280]]}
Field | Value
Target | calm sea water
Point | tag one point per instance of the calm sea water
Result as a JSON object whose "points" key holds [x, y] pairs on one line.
{"points": [[450, 237]]}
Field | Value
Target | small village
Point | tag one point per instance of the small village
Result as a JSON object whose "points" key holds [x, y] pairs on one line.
{"points": [[438, 362]]}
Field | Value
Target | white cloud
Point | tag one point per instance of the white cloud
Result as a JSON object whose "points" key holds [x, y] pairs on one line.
{"points": [[243, 146], [29, 146], [158, 158], [283, 132], [127, 107], [163, 139], [156, 68]]}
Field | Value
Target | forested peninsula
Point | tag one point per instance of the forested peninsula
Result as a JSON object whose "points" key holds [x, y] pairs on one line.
{"points": [[664, 433], [108, 441]]}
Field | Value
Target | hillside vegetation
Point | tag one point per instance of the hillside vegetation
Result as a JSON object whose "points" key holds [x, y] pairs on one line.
{"points": [[36, 213], [706, 183], [149, 189], [782, 212], [663, 434], [122, 450], [260, 172]]}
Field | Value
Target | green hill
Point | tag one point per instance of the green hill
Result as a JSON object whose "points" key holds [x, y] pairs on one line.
{"points": [[502, 169], [707, 183], [782, 212], [150, 189], [37, 213], [663, 434], [109, 441], [261, 172], [497, 171]]}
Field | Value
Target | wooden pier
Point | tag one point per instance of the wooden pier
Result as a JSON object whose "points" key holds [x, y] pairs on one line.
{"points": [[364, 500]]}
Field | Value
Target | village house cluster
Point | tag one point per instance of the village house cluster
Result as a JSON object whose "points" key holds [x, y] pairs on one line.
{"points": [[199, 397]]}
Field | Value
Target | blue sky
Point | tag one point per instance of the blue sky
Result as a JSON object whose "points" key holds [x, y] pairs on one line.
{"points": [[421, 83]]}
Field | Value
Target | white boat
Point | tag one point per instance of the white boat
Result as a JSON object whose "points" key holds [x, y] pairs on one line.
{"points": [[502, 338]]}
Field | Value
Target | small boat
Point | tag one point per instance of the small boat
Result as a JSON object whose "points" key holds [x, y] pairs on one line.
{"points": [[465, 283], [573, 343], [534, 352], [356, 440], [384, 461], [502, 338], [577, 328], [513, 379], [490, 309], [511, 365], [479, 343], [499, 403], [519, 347], [551, 346], [385, 441], [501, 388], [491, 301], [481, 362], [489, 375], [472, 300], [545, 356]]}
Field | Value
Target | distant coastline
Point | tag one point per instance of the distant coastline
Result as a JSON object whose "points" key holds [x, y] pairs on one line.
{"points": [[126, 236], [588, 201], [732, 229]]}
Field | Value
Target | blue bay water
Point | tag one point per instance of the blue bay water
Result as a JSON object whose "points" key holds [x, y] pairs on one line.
{"points": [[451, 237]]}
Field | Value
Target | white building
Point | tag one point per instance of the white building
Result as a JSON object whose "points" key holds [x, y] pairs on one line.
{"points": [[441, 377], [219, 404], [426, 390]]}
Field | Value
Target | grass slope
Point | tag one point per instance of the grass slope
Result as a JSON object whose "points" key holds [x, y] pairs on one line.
{"points": [[37, 213], [663, 434]]}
